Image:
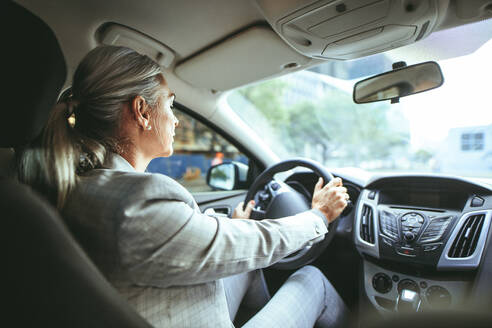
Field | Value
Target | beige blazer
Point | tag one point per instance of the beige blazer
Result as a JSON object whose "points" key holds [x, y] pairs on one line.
{"points": [[146, 234]]}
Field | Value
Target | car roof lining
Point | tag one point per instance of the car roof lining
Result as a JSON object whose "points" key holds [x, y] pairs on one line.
{"points": [[258, 53], [208, 26]]}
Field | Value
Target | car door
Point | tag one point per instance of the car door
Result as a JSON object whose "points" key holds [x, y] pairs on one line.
{"points": [[198, 145]]}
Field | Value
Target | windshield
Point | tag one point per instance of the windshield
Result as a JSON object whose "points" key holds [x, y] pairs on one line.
{"points": [[311, 114]]}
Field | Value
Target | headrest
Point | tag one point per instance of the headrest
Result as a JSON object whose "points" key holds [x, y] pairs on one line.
{"points": [[34, 72]]}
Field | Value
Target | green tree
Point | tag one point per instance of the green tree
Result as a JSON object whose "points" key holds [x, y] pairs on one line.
{"points": [[268, 98], [422, 156], [344, 132]]}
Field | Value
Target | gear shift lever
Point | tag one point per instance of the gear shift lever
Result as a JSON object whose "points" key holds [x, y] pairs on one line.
{"points": [[408, 301]]}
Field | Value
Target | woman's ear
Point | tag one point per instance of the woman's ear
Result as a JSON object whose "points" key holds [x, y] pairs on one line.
{"points": [[139, 110]]}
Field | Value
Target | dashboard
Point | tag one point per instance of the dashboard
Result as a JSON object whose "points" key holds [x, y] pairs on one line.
{"points": [[426, 234]]}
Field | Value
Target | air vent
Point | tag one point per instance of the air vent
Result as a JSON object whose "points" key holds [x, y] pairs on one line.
{"points": [[466, 241], [367, 224]]}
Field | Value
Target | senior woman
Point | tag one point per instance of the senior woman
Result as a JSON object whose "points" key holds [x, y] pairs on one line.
{"points": [[175, 265]]}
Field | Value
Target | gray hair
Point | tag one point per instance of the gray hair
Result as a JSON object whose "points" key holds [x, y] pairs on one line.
{"points": [[106, 79]]}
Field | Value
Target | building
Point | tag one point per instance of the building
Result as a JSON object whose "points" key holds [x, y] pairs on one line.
{"points": [[466, 151]]}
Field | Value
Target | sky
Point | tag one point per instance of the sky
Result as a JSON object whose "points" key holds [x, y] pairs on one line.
{"points": [[463, 99]]}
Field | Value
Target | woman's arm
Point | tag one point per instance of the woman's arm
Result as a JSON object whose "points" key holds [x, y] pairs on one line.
{"points": [[165, 242]]}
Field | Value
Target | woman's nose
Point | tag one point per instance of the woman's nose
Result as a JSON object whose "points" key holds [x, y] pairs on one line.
{"points": [[176, 121]]}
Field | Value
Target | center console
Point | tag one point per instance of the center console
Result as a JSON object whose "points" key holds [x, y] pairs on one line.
{"points": [[383, 287], [420, 245], [419, 235]]}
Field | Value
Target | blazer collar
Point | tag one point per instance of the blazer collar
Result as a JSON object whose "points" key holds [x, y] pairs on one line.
{"points": [[116, 162]]}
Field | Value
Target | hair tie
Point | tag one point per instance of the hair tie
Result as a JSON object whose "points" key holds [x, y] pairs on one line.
{"points": [[67, 99], [71, 105]]}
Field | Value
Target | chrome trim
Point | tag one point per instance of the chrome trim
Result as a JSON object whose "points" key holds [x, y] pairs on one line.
{"points": [[362, 245], [470, 262], [416, 294]]}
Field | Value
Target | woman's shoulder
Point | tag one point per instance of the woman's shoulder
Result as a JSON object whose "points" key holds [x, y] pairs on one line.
{"points": [[134, 185], [157, 185]]}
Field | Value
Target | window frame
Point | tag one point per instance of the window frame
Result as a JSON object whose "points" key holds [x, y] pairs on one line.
{"points": [[255, 166]]}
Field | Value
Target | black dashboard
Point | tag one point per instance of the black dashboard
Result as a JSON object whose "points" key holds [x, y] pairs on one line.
{"points": [[436, 222], [426, 234], [423, 233]]}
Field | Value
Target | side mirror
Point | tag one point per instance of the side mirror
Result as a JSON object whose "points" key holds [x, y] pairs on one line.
{"points": [[399, 83], [228, 176]]}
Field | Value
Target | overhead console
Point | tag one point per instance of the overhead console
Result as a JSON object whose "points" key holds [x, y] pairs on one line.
{"points": [[351, 29]]}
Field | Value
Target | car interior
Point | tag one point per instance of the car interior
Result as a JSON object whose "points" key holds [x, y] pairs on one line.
{"points": [[411, 248]]}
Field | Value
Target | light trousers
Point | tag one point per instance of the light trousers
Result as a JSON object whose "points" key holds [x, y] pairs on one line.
{"points": [[306, 299]]}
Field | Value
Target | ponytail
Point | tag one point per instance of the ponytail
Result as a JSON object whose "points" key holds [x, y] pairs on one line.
{"points": [[50, 164]]}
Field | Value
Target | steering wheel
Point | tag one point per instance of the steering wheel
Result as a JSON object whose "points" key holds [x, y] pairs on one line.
{"points": [[275, 199]]}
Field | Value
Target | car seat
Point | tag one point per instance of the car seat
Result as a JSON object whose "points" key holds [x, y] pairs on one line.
{"points": [[48, 281]]}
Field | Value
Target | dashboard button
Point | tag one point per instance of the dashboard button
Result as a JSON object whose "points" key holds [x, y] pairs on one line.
{"points": [[372, 195], [476, 202], [381, 282], [406, 251], [263, 196], [409, 236], [430, 248], [435, 229]]}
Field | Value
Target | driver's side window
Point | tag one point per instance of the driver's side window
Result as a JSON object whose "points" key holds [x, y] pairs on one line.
{"points": [[196, 148]]}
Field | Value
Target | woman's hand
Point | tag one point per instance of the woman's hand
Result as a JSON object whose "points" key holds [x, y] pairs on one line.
{"points": [[240, 214], [330, 199]]}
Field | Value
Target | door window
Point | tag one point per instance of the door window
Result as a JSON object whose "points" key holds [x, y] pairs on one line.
{"points": [[196, 148]]}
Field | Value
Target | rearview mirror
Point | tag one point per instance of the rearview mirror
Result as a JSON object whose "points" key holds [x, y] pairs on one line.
{"points": [[399, 83], [228, 176]]}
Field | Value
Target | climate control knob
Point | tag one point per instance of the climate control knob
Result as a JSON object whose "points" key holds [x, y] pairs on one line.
{"points": [[438, 297], [382, 283], [408, 284]]}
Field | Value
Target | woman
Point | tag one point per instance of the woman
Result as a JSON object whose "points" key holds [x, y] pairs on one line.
{"points": [[145, 231]]}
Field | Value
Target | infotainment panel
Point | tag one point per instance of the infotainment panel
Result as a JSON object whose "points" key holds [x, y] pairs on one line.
{"points": [[416, 234], [423, 234], [435, 223]]}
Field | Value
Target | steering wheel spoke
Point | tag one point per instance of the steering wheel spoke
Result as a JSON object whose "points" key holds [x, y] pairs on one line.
{"points": [[257, 214], [276, 199]]}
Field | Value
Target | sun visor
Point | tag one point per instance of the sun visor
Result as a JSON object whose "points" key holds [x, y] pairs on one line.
{"points": [[119, 35], [251, 55]]}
